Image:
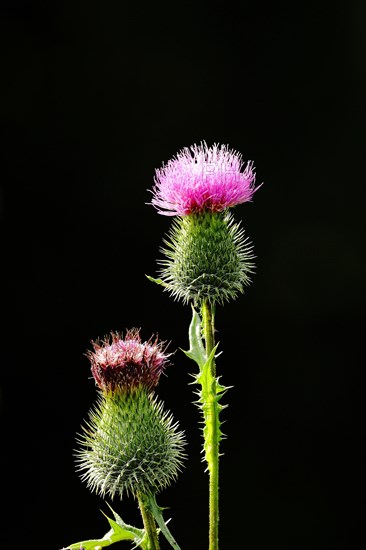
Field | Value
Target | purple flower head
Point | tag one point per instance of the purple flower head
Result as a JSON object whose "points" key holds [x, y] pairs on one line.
{"points": [[202, 178], [122, 364]]}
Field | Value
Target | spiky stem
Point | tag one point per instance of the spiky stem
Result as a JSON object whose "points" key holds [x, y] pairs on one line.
{"points": [[213, 430], [149, 522]]}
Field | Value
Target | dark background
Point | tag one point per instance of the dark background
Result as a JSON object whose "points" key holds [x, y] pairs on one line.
{"points": [[94, 97]]}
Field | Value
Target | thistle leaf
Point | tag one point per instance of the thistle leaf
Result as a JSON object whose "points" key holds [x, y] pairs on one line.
{"points": [[157, 281], [139, 533], [211, 391], [119, 531], [157, 513], [196, 350]]}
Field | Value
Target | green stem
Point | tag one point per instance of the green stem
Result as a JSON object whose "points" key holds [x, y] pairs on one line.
{"points": [[213, 430], [149, 522]]}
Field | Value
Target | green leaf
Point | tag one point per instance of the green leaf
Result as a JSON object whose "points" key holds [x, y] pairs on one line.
{"points": [[157, 281], [156, 511], [196, 350], [205, 377], [119, 531], [139, 533]]}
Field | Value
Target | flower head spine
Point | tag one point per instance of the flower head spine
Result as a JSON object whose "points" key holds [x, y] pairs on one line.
{"points": [[202, 178]]}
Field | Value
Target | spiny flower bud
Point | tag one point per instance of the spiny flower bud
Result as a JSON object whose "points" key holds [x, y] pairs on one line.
{"points": [[130, 444], [206, 257]]}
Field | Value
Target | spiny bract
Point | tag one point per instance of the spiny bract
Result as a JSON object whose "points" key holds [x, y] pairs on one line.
{"points": [[206, 257], [130, 445]]}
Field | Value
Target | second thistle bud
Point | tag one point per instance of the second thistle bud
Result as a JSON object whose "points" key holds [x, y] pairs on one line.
{"points": [[130, 444]]}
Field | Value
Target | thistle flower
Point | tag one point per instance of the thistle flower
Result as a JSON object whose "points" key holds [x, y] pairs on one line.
{"points": [[207, 256], [202, 178], [130, 444], [122, 364]]}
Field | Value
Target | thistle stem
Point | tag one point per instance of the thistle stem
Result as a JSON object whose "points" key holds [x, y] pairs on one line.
{"points": [[212, 430], [149, 522]]}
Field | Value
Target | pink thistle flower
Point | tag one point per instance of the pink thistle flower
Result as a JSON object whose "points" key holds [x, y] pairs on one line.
{"points": [[202, 178], [124, 364]]}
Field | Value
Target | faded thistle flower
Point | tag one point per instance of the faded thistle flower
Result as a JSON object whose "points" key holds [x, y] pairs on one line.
{"points": [[130, 444], [207, 256], [124, 364]]}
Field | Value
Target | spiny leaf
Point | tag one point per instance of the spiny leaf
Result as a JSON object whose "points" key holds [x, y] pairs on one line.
{"points": [[205, 377], [138, 532], [156, 511], [157, 281], [211, 391], [115, 534], [196, 350], [220, 389]]}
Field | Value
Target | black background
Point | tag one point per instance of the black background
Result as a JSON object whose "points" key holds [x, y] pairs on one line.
{"points": [[95, 96]]}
